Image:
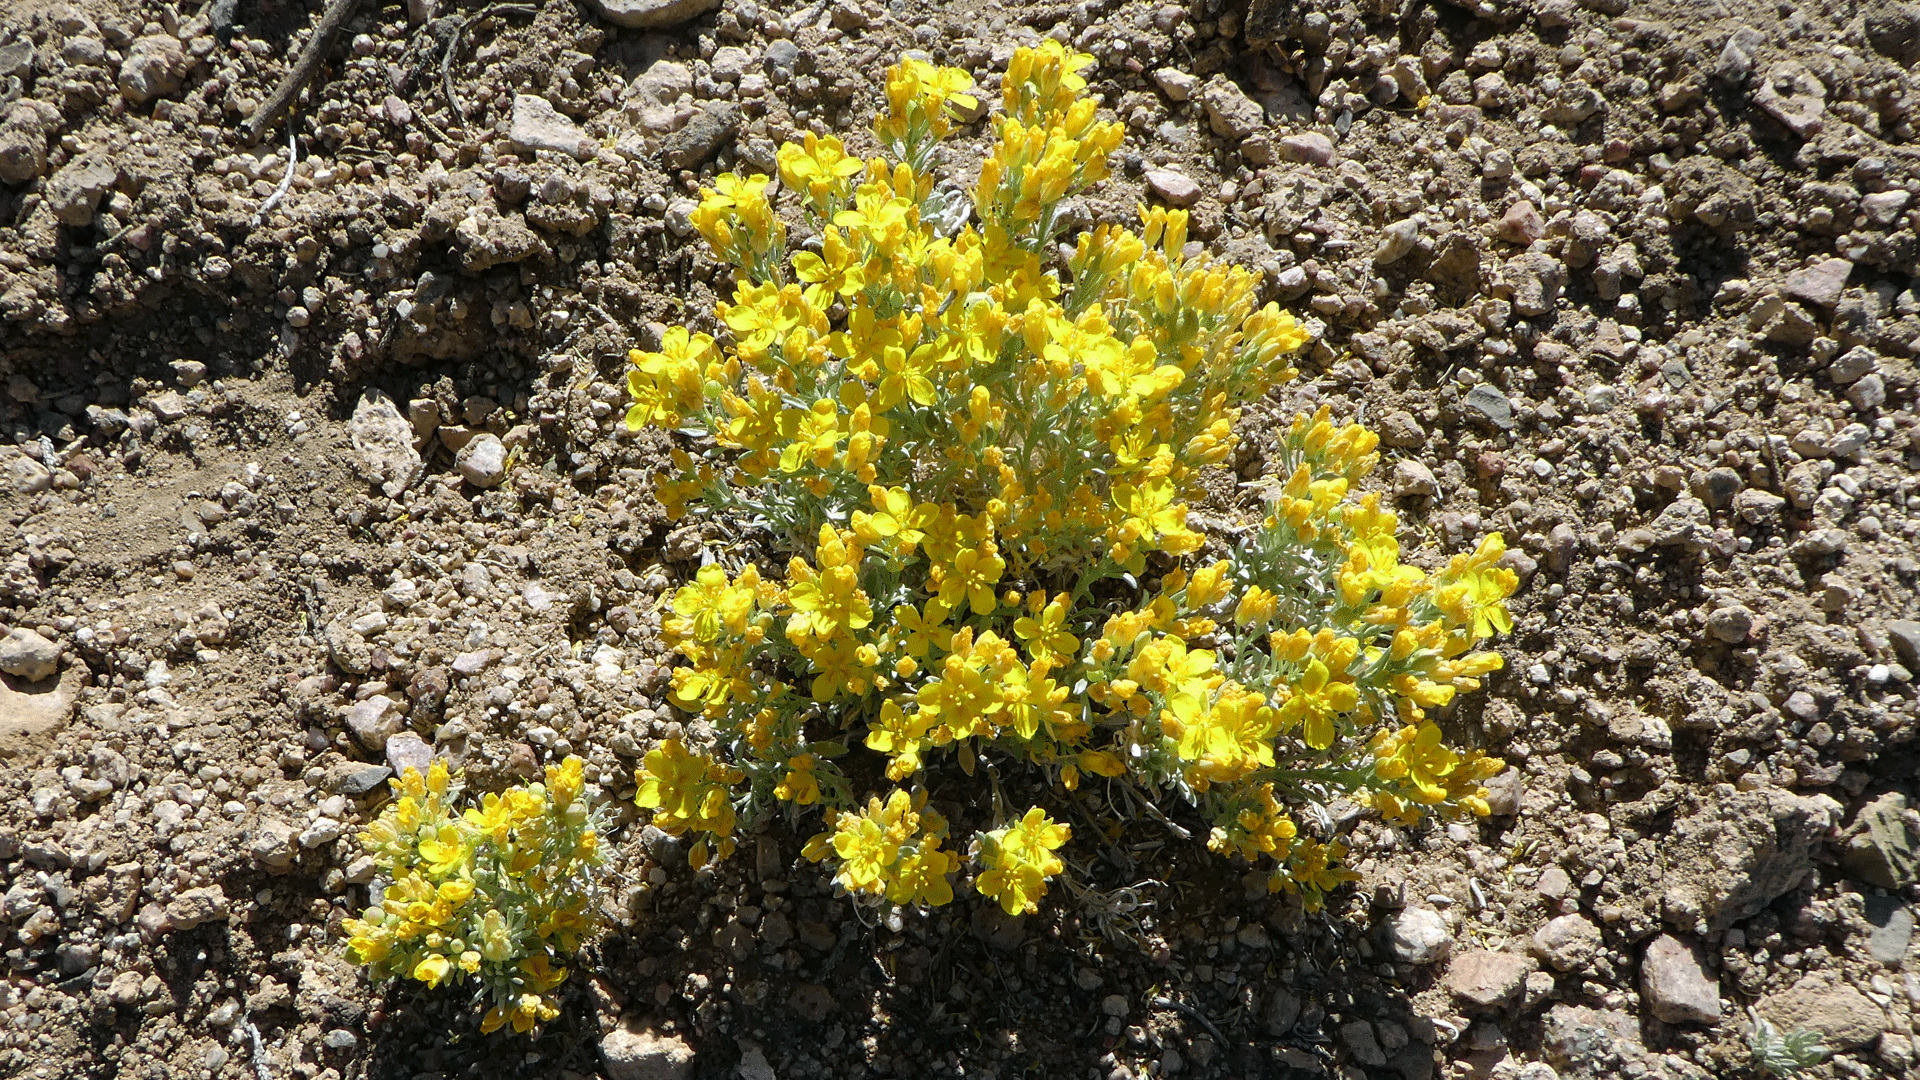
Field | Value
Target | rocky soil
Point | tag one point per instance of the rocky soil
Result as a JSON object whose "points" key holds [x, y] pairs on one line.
{"points": [[312, 468]]}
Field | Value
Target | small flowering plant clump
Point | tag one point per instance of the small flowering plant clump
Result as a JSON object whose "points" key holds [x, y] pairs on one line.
{"points": [[980, 445], [497, 893]]}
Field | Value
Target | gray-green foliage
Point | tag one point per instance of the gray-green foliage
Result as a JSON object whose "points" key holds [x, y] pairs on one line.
{"points": [[1777, 1053]]}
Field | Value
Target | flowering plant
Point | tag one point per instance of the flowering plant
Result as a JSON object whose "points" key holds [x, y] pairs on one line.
{"points": [[498, 892], [981, 449]]}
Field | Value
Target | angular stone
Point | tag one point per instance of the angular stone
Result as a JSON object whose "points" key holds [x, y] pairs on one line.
{"points": [[1176, 84], [1566, 942], [1905, 636], [1892, 931], [361, 781], [1521, 224], [1790, 94], [272, 845], [374, 721], [1893, 30], [16, 57], [1175, 188], [1489, 404], [28, 655], [1883, 845], [1684, 522], [1230, 112], [1735, 852], [483, 461], [702, 136], [1822, 283], [153, 68], [1412, 479], [1590, 1040], [1674, 979], [407, 750], [651, 14], [536, 125], [195, 906], [633, 1052], [1417, 936], [1853, 365], [23, 138], [1486, 979], [384, 441], [1534, 280], [31, 712], [75, 191], [1845, 1017]]}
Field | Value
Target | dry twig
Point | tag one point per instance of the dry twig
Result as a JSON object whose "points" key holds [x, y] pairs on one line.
{"points": [[302, 71]]}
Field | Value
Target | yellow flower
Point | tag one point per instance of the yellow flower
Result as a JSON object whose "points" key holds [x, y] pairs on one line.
{"points": [[1046, 636], [432, 970], [800, 786], [1316, 700], [1019, 860]]}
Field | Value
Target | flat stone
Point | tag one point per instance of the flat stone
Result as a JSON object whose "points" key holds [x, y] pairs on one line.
{"points": [[1553, 883], [701, 137], [536, 125], [30, 712], [1892, 931], [1417, 936], [361, 781], [472, 663], [1674, 979], [651, 14], [483, 461], [1307, 148], [633, 1052], [1566, 942], [1173, 187], [1489, 404], [1822, 283], [407, 750], [1790, 94], [28, 655], [1844, 1016], [1486, 979]]}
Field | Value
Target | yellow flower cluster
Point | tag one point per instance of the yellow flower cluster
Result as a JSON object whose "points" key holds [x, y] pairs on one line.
{"points": [[497, 893], [980, 443], [891, 850]]}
